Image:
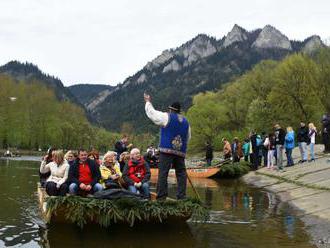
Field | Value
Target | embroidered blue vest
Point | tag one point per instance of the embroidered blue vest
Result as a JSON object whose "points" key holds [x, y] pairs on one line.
{"points": [[174, 137]]}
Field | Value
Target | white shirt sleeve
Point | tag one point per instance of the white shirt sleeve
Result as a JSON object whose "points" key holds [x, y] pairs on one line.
{"points": [[157, 117], [44, 167]]}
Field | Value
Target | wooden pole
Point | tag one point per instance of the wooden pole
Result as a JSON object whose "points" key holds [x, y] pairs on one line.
{"points": [[193, 187]]}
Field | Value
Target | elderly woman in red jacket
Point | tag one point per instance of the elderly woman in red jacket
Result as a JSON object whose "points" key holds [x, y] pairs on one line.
{"points": [[137, 174]]}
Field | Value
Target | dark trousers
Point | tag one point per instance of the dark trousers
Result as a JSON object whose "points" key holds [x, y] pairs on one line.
{"points": [[43, 178], [265, 155], [165, 163], [326, 141], [289, 156], [236, 158], [246, 158], [254, 157], [51, 189], [209, 161], [227, 156]]}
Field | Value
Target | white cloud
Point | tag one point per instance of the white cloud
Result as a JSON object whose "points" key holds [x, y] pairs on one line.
{"points": [[101, 41]]}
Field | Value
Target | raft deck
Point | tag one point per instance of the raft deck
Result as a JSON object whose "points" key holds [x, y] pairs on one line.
{"points": [[169, 211]]}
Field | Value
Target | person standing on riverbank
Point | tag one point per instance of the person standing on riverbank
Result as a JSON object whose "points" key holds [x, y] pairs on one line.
{"points": [[302, 138], [236, 148], [311, 135], [326, 132], [269, 145], [226, 149], [279, 144], [174, 137], [208, 153], [289, 145], [264, 149], [254, 151], [246, 149]]}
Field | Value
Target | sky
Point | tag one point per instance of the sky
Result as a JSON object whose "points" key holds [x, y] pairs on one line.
{"points": [[105, 41]]}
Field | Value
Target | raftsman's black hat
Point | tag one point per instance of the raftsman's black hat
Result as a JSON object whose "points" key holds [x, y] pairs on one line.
{"points": [[175, 106]]}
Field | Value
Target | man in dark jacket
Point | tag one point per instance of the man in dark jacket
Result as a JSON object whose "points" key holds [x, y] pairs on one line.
{"points": [[279, 144], [326, 132], [209, 153], [84, 175], [303, 140], [255, 150]]}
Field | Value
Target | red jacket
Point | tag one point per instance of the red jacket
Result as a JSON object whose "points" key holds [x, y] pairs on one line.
{"points": [[135, 172]]}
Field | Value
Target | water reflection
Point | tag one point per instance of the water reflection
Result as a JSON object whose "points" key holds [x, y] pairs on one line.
{"points": [[289, 221], [240, 216], [118, 236]]}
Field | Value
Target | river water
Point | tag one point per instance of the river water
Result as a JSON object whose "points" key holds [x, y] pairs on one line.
{"points": [[241, 216]]}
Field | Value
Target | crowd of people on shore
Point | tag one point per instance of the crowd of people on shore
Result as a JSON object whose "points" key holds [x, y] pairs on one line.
{"points": [[84, 173], [267, 149]]}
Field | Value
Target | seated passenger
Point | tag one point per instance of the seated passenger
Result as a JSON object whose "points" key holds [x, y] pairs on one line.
{"points": [[152, 159], [110, 171], [95, 155], [123, 160], [84, 175], [137, 174], [59, 170], [48, 158], [70, 157]]}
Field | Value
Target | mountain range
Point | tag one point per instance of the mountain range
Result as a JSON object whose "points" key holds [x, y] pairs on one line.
{"points": [[202, 64]]}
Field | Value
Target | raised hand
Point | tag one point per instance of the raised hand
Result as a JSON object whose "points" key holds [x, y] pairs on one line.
{"points": [[147, 98]]}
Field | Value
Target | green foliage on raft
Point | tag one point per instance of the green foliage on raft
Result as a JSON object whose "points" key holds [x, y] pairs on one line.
{"points": [[233, 170], [80, 210]]}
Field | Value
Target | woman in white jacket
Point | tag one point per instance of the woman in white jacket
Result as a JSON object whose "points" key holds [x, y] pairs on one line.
{"points": [[59, 170], [311, 135]]}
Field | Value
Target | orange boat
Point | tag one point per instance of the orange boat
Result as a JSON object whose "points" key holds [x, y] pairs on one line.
{"points": [[198, 172]]}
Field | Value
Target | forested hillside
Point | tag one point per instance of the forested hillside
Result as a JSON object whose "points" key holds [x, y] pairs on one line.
{"points": [[287, 92], [84, 93], [29, 72]]}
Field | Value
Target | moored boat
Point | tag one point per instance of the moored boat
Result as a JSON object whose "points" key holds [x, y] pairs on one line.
{"points": [[198, 172]]}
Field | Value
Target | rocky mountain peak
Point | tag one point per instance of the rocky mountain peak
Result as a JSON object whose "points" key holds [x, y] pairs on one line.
{"points": [[159, 60], [237, 34], [173, 66], [270, 37], [312, 43], [200, 47]]}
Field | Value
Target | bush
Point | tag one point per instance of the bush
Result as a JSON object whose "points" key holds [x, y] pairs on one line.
{"points": [[234, 170]]}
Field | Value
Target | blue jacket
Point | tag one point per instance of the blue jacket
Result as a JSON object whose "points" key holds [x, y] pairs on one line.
{"points": [[246, 148], [289, 140]]}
